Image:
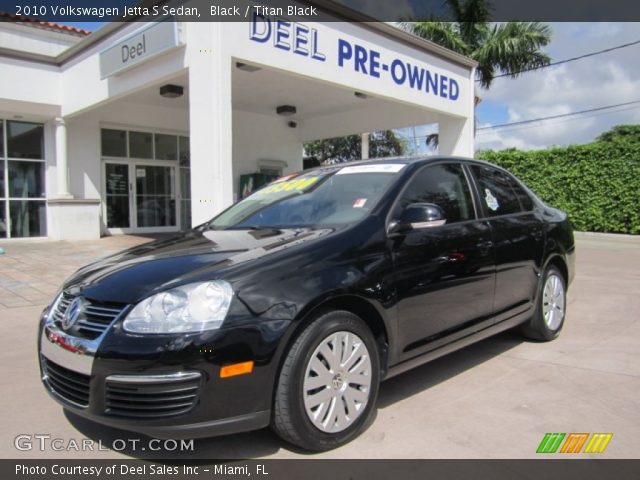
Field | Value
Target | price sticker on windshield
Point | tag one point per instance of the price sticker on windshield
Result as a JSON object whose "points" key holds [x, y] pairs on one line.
{"points": [[376, 168], [296, 184]]}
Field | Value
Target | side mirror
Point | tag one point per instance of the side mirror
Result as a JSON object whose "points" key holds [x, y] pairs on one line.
{"points": [[417, 216]]}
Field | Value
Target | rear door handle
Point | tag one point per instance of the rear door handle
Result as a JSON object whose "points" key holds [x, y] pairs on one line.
{"points": [[537, 233]]}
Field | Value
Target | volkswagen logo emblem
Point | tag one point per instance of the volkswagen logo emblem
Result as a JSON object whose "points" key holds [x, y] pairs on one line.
{"points": [[70, 317]]}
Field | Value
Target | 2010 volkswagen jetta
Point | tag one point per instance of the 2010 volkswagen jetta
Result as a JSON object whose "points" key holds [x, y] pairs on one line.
{"points": [[291, 306]]}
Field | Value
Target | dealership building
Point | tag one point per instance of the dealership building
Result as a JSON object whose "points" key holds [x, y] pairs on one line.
{"points": [[148, 127]]}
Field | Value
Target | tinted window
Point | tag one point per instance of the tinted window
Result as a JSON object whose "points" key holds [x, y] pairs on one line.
{"points": [[184, 151], [28, 218], [117, 198], [140, 145], [26, 179], [166, 147], [25, 140], [114, 143], [444, 185], [497, 196], [525, 200], [2, 193], [3, 222]]}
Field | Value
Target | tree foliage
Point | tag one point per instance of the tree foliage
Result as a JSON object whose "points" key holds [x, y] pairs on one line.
{"points": [[597, 184], [344, 149], [508, 48], [622, 133]]}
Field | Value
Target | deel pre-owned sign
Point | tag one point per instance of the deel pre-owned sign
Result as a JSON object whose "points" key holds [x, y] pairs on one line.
{"points": [[356, 56]]}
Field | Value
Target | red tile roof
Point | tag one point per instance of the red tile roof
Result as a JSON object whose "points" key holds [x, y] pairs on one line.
{"points": [[45, 25]]}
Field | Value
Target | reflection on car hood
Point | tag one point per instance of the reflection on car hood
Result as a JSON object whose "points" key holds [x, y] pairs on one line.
{"points": [[131, 275]]}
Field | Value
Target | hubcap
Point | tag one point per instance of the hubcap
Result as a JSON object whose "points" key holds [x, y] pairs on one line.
{"points": [[553, 301], [337, 382]]}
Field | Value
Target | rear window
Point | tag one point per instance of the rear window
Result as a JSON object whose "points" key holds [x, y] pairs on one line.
{"points": [[525, 200], [496, 192]]}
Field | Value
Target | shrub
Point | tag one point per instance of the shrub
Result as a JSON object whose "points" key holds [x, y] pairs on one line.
{"points": [[597, 184]]}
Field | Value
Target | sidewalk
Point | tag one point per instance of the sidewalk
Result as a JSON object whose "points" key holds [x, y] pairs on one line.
{"points": [[31, 271]]}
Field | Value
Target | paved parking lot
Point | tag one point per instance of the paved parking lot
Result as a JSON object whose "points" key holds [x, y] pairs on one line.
{"points": [[495, 399], [31, 270]]}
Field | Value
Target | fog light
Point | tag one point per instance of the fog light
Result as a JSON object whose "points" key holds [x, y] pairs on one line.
{"points": [[236, 369]]}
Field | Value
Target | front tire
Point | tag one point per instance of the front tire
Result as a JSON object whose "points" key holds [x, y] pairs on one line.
{"points": [[550, 312], [328, 384]]}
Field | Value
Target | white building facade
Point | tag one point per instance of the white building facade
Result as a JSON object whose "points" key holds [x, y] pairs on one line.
{"points": [[147, 127]]}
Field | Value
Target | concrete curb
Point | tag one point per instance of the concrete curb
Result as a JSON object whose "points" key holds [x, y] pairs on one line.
{"points": [[608, 236]]}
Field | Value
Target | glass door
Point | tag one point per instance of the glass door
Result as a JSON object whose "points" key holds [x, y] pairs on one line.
{"points": [[118, 202], [155, 197], [145, 181], [140, 197]]}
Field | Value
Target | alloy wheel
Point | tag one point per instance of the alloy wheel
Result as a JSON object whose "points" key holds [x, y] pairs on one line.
{"points": [[553, 302], [337, 382]]}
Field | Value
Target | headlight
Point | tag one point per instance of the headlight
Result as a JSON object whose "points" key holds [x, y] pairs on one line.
{"points": [[189, 308]]}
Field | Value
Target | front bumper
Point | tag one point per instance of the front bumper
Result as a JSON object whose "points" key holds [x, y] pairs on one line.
{"points": [[162, 385]]}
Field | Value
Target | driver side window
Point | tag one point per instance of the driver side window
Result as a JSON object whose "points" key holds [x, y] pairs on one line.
{"points": [[444, 185]]}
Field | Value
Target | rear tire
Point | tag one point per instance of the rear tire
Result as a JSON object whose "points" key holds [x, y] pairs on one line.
{"points": [[328, 385], [550, 312]]}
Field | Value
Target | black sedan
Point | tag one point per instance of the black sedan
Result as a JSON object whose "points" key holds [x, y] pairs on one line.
{"points": [[291, 306]]}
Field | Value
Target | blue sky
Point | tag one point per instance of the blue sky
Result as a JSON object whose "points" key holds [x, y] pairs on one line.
{"points": [[92, 26], [493, 112], [597, 81], [601, 80]]}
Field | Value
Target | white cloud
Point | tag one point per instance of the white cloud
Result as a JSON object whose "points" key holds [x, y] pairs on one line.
{"points": [[601, 80], [597, 30]]}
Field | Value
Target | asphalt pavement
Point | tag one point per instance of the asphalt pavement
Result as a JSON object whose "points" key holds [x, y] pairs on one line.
{"points": [[494, 399]]}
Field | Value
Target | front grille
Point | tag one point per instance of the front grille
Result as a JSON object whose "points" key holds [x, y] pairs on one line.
{"points": [[61, 307], [151, 397], [94, 318], [71, 386]]}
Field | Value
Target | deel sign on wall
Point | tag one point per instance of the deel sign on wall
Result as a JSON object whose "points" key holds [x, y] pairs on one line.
{"points": [[140, 47]]}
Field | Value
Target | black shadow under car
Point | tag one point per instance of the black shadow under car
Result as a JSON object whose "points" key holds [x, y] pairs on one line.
{"points": [[291, 306]]}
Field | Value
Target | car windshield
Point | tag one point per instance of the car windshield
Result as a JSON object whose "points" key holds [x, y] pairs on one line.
{"points": [[325, 197]]}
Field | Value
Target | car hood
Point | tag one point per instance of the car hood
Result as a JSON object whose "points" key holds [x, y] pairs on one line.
{"points": [[133, 274]]}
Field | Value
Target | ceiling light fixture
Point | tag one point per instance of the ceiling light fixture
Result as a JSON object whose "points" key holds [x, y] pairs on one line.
{"points": [[286, 110], [245, 67], [171, 91]]}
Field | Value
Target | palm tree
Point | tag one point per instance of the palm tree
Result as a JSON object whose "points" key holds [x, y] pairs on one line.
{"points": [[508, 48]]}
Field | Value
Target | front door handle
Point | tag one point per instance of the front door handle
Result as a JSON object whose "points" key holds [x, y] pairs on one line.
{"points": [[484, 246]]}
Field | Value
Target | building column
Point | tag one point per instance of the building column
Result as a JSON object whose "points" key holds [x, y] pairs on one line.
{"points": [[210, 121], [62, 167], [69, 218], [364, 146], [456, 136]]}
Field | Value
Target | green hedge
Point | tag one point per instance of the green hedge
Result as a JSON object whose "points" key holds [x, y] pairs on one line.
{"points": [[597, 184]]}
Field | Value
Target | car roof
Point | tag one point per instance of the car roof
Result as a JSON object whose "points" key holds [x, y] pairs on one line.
{"points": [[423, 159]]}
